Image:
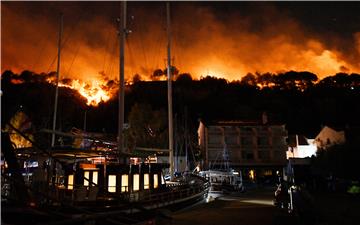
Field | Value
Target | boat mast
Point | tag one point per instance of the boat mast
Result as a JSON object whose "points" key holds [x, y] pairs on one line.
{"points": [[57, 81], [170, 111], [122, 36]]}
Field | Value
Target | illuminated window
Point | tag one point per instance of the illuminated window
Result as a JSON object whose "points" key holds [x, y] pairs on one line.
{"points": [[71, 182], [86, 178], [124, 183], [252, 174], [162, 180], [146, 181], [95, 178], [136, 182], [156, 181], [268, 173], [112, 183]]}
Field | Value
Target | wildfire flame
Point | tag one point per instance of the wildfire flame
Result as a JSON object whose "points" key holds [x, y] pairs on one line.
{"points": [[94, 93], [99, 90]]}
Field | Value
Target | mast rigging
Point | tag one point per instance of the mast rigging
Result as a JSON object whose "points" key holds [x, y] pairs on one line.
{"points": [[57, 81]]}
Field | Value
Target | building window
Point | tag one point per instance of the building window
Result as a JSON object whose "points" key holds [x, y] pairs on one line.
{"points": [[264, 155], [124, 183], [136, 182], [156, 181], [246, 129], [112, 183], [278, 140], [215, 139], [86, 178], [268, 173], [71, 182], [278, 155], [231, 139], [246, 141], [162, 180], [262, 141], [247, 155], [94, 178], [146, 181], [252, 174]]}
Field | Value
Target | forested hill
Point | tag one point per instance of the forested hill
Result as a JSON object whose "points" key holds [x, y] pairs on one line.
{"points": [[296, 99]]}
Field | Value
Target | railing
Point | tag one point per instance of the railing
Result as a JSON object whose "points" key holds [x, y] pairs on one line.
{"points": [[181, 192], [154, 198]]}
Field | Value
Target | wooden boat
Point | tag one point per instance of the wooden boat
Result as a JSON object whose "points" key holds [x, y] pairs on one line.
{"points": [[77, 183]]}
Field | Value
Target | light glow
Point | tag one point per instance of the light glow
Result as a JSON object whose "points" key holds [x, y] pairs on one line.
{"points": [[95, 92], [95, 178], [70, 182], [112, 183], [124, 183], [146, 181], [136, 182], [156, 182], [86, 178]]}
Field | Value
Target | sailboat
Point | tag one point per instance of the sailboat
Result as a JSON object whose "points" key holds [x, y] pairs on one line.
{"points": [[223, 179], [89, 184]]}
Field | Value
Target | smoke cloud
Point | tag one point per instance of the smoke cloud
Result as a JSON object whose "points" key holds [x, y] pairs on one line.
{"points": [[226, 44]]}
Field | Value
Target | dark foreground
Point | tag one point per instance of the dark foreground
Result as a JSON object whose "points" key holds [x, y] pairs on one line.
{"points": [[250, 208], [256, 208]]}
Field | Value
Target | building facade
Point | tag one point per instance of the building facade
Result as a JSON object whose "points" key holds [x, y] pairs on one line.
{"points": [[253, 147], [300, 147], [329, 137]]}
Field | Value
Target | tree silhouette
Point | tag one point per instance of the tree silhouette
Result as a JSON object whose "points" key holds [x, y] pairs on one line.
{"points": [[248, 80], [184, 78], [148, 127]]}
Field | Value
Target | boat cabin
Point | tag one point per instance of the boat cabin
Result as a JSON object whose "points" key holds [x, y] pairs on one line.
{"points": [[90, 181]]}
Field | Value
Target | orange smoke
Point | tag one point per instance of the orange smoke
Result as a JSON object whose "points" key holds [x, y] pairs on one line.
{"points": [[202, 45]]}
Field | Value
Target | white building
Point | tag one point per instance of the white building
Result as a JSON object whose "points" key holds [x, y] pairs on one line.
{"points": [[329, 137], [300, 147]]}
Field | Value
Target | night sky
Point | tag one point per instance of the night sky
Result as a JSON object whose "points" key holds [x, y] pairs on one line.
{"points": [[223, 39]]}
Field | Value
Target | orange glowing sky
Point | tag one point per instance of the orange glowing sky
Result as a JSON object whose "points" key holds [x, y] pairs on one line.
{"points": [[220, 39]]}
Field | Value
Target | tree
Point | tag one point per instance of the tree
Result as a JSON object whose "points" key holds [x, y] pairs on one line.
{"points": [[355, 79], [7, 76], [157, 74], [265, 80], [339, 160], [148, 127], [248, 80], [174, 71], [307, 79], [295, 80], [184, 78], [136, 78], [23, 123]]}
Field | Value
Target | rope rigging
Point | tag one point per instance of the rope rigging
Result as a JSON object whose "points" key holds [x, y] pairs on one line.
{"points": [[70, 33]]}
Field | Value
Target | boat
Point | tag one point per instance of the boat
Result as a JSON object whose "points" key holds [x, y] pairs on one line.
{"points": [[95, 184], [222, 178]]}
